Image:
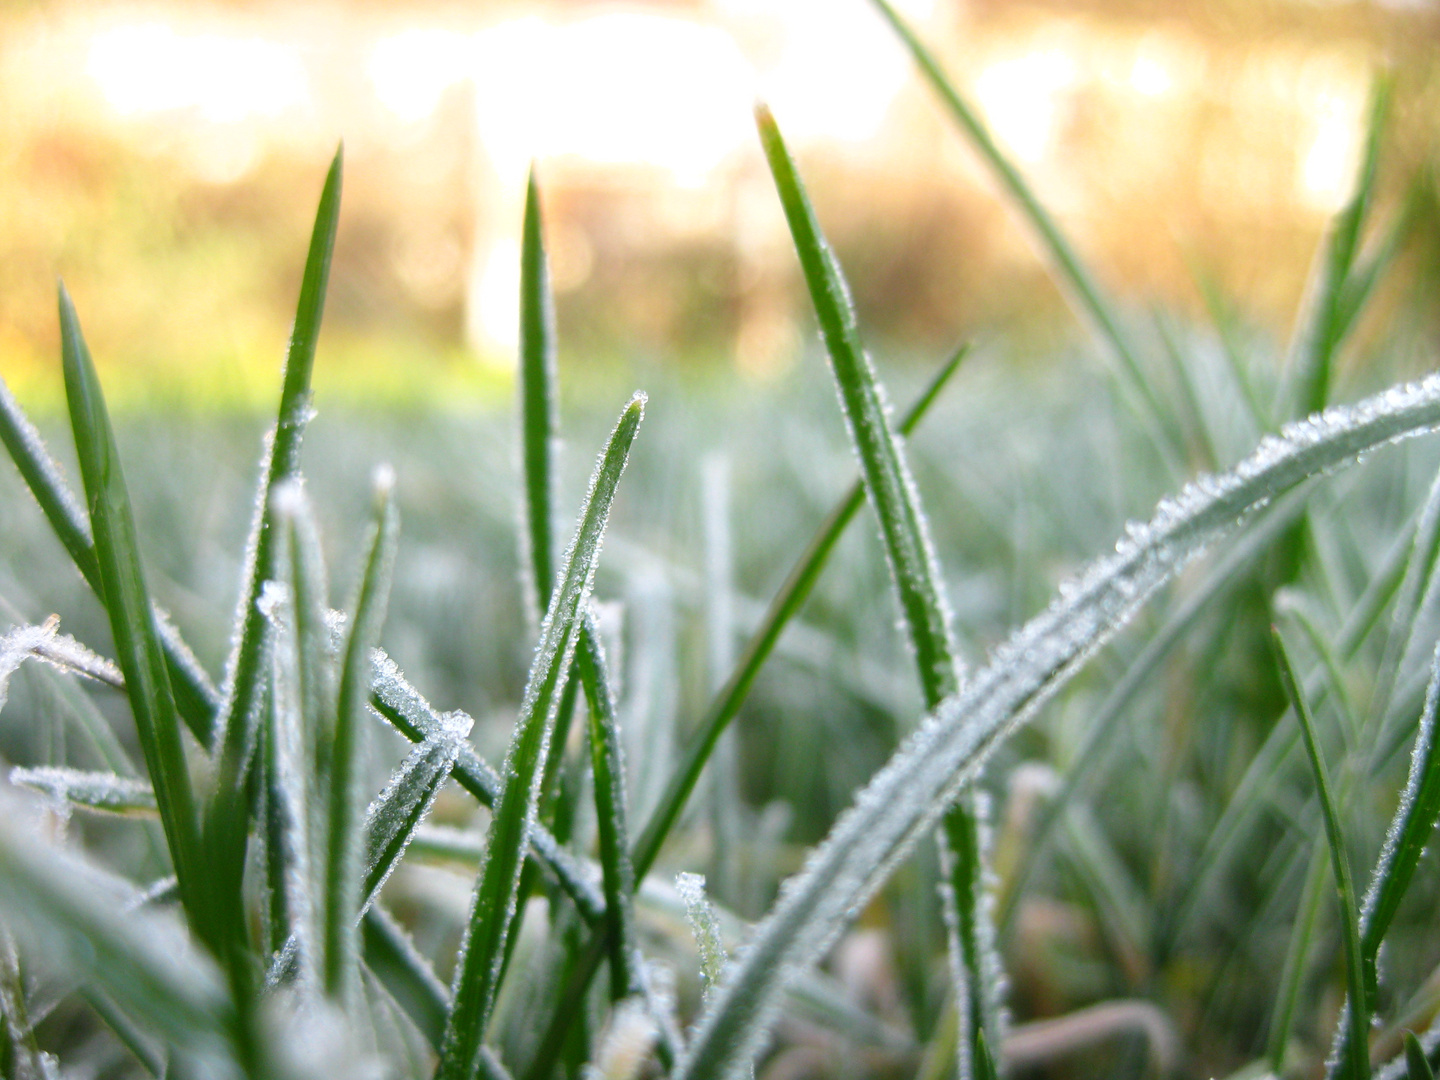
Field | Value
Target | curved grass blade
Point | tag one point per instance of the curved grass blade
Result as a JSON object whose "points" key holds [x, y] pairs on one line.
{"points": [[195, 696], [788, 600], [339, 969], [539, 422], [103, 792], [132, 620], [909, 794], [1410, 830], [1293, 970], [492, 906], [393, 817], [392, 957], [1353, 1057], [399, 704], [1074, 276]]}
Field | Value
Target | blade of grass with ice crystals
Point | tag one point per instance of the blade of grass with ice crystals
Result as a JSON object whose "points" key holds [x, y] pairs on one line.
{"points": [[538, 414], [1410, 830], [1353, 1059], [706, 929], [492, 905], [791, 596], [132, 621], [19, 1056], [397, 812], [195, 697], [608, 762], [911, 792], [402, 706], [1074, 275], [1332, 312], [104, 792], [228, 813], [916, 577], [393, 959], [339, 968]]}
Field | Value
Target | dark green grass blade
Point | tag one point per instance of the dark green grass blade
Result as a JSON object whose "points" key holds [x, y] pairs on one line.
{"points": [[1411, 829], [195, 696], [608, 761], [402, 706], [132, 621], [977, 973], [228, 814], [887, 477], [538, 411], [787, 601], [984, 1063], [1074, 276], [1354, 1059], [342, 892], [392, 957], [492, 906], [1416, 1064], [398, 811], [1337, 301]]}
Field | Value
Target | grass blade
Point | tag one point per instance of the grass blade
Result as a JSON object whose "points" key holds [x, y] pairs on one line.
{"points": [[195, 696], [1292, 973], [342, 893], [132, 620], [1416, 1063], [104, 792], [392, 957], [1410, 830], [1075, 278], [492, 906], [397, 812], [607, 759], [538, 411], [402, 706], [916, 577], [1353, 1058], [787, 601], [907, 797]]}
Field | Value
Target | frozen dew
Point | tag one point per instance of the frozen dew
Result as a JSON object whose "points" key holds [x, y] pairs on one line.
{"points": [[706, 929], [88, 790]]}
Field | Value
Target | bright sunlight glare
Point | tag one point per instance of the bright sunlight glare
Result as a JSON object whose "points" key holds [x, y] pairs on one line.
{"points": [[150, 67], [1021, 98]]}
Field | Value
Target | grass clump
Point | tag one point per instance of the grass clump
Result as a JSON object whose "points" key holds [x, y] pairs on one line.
{"points": [[261, 930]]}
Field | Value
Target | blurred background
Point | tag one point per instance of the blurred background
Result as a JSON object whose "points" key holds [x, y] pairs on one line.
{"points": [[165, 157]]}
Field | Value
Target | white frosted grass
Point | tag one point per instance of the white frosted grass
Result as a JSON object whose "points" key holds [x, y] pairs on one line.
{"points": [[706, 928], [910, 793], [625, 1047], [105, 792], [44, 642], [393, 816]]}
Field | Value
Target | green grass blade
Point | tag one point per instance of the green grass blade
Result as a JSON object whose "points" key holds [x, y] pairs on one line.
{"points": [[538, 411], [392, 957], [1072, 272], [132, 620], [907, 797], [342, 892], [1334, 306], [974, 958], [1353, 1061], [492, 906], [195, 696], [103, 792], [607, 759], [402, 706], [706, 929], [1410, 831], [984, 1063], [787, 601], [887, 476], [398, 811], [1417, 1065], [1293, 970], [228, 813]]}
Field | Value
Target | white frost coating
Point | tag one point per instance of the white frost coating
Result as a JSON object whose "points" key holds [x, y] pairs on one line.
{"points": [[625, 1047], [706, 929], [910, 793], [45, 643], [273, 599], [88, 790]]}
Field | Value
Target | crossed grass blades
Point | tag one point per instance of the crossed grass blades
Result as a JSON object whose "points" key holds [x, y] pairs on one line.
{"points": [[270, 950]]}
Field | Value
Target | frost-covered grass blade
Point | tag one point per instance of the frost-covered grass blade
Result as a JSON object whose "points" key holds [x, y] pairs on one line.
{"points": [[342, 895], [492, 905], [103, 792], [921, 780], [132, 620]]}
